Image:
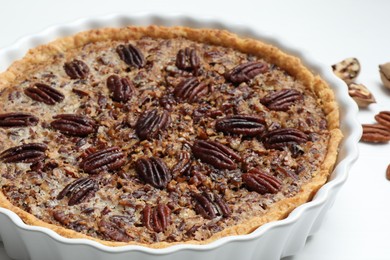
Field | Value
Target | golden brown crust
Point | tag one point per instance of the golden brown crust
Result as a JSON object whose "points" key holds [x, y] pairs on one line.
{"points": [[37, 57]]}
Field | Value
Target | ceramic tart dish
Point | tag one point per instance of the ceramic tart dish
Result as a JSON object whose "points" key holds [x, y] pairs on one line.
{"points": [[123, 139]]}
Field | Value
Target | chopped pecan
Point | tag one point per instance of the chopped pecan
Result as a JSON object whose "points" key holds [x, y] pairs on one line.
{"points": [[283, 137], [43, 93], [183, 164], [151, 123], [79, 190], [18, 120], [281, 100], [375, 133], [247, 125], [74, 124], [167, 102], [113, 232], [260, 182], [153, 171], [76, 69], [188, 59], [245, 72], [131, 55], [383, 118], [215, 154], [108, 159], [210, 205], [190, 90], [121, 88], [25, 153], [157, 218]]}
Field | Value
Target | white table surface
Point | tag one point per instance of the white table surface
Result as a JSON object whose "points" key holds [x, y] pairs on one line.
{"points": [[358, 225]]}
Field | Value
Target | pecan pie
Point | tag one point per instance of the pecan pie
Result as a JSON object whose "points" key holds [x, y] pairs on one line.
{"points": [[158, 136]]}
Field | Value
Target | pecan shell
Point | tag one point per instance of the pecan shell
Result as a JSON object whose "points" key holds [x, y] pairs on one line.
{"points": [[108, 159], [284, 137], [281, 100], [188, 59], [121, 88], [79, 190], [113, 231], [153, 171], [347, 69], [44, 93], [151, 123], [18, 120], [245, 72], [247, 125], [131, 55], [215, 154], [383, 118], [190, 90], [375, 133], [76, 69], [157, 218], [25, 153], [210, 205], [74, 124], [260, 182]]}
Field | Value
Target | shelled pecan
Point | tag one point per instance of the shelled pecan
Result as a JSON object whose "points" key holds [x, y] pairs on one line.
{"points": [[190, 90], [260, 182], [72, 124], [215, 154], [108, 159], [246, 71], [375, 133], [247, 125], [121, 88], [131, 55], [153, 171], [188, 59], [210, 205], [281, 100], [43, 93], [157, 218], [25, 153], [76, 69], [283, 137], [151, 123], [79, 190], [16, 119]]}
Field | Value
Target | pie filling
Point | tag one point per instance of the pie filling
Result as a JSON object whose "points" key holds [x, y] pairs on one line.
{"points": [[156, 140]]}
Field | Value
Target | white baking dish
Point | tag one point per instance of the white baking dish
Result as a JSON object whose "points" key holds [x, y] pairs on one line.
{"points": [[271, 241]]}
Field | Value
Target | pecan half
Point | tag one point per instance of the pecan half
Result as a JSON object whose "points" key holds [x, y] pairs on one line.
{"points": [[113, 231], [281, 100], [188, 59], [247, 125], [74, 124], [153, 171], [76, 69], [215, 154], [79, 190], [383, 118], [362, 96], [210, 205], [283, 137], [183, 164], [245, 72], [108, 159], [131, 55], [44, 93], [121, 88], [25, 153], [260, 182], [157, 218], [375, 133], [151, 123], [347, 69], [18, 120], [190, 90]]}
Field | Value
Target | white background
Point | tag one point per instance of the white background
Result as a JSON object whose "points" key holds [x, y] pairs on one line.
{"points": [[358, 225]]}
